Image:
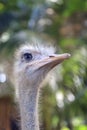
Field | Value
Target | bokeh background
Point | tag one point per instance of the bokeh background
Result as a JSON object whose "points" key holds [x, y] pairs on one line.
{"points": [[62, 23]]}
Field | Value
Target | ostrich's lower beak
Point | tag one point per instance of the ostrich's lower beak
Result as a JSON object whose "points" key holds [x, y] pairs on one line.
{"points": [[53, 60]]}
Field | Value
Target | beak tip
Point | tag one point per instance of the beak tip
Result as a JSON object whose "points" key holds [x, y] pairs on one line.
{"points": [[68, 55]]}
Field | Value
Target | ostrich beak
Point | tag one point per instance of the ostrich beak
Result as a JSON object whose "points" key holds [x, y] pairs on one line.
{"points": [[53, 60], [57, 59]]}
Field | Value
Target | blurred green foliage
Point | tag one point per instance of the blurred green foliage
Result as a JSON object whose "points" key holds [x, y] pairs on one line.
{"points": [[65, 23]]}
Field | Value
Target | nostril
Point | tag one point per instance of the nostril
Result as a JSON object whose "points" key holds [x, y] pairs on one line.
{"points": [[51, 56]]}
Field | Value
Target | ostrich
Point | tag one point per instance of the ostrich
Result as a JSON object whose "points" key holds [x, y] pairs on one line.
{"points": [[31, 66]]}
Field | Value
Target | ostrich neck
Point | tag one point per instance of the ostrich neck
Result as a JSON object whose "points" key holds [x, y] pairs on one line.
{"points": [[29, 107]]}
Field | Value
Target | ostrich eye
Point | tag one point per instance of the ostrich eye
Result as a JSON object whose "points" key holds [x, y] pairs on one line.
{"points": [[27, 56]]}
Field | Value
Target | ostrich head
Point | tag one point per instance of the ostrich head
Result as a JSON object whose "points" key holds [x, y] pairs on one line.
{"points": [[33, 63]]}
